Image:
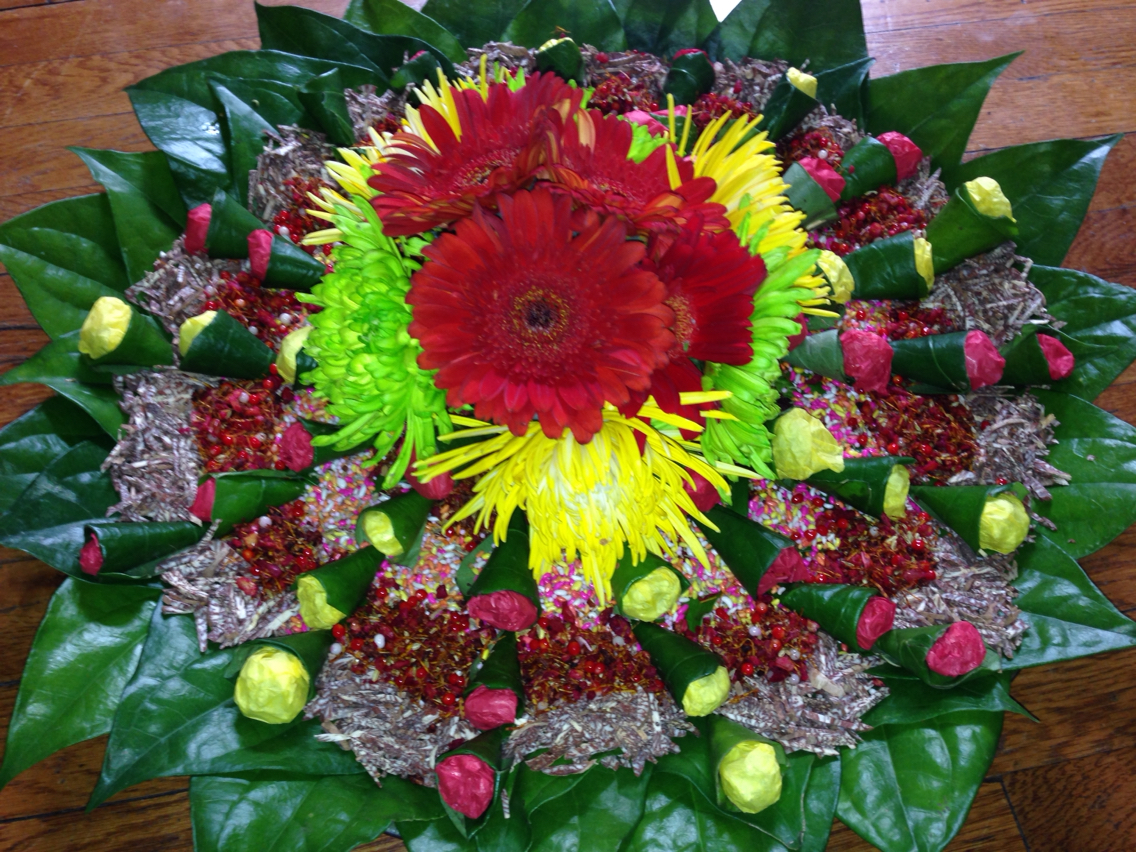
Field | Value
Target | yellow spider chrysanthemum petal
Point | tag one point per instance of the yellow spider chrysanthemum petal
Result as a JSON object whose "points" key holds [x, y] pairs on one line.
{"points": [[584, 501]]}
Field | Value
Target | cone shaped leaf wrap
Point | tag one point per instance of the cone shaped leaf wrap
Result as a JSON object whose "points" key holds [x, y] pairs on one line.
{"points": [[399, 521], [960, 506], [806, 195], [867, 166], [724, 735], [863, 482], [229, 227], [959, 232], [502, 669], [145, 344], [245, 495], [908, 648], [747, 548], [628, 573], [226, 348], [291, 267], [938, 360], [680, 661], [347, 580], [786, 106], [507, 569], [486, 746], [835, 607], [822, 354], [129, 548], [886, 269]]}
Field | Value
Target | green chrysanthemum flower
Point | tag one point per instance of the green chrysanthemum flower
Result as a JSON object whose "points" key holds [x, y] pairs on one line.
{"points": [[368, 362], [746, 441]]}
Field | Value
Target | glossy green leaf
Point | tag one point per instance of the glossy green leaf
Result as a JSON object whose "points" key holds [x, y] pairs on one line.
{"points": [[490, 22], [276, 102], [679, 818], [1098, 451], [595, 23], [47, 521], [843, 87], [392, 17], [1050, 185], [148, 211], [821, 796], [32, 441], [59, 366], [665, 26], [826, 33], [911, 701], [265, 813], [593, 815], [908, 788], [439, 835], [177, 717], [244, 132], [1068, 616], [1095, 313], [309, 33], [84, 652], [63, 256], [935, 106]]}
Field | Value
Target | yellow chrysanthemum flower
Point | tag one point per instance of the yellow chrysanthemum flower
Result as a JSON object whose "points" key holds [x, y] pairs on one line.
{"points": [[585, 501]]}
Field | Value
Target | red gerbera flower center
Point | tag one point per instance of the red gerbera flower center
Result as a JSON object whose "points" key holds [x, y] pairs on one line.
{"points": [[524, 317]]}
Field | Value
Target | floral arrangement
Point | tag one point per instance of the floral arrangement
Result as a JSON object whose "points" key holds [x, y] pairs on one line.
{"points": [[562, 425]]}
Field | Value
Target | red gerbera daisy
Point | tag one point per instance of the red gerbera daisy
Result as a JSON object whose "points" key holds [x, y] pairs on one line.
{"points": [[521, 317], [592, 165], [422, 186]]}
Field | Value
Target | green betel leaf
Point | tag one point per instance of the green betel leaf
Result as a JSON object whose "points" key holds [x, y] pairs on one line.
{"points": [[276, 102], [190, 136], [31, 442], [666, 26], [309, 33], [1096, 313], [594, 815], [392, 17], [594, 23], [59, 366], [266, 813], [1099, 452], [1068, 616], [490, 22], [677, 817], [826, 33], [911, 701], [63, 256], [244, 132], [1049, 184], [148, 211], [438, 835], [936, 107], [177, 717], [84, 652], [47, 521], [908, 788]]}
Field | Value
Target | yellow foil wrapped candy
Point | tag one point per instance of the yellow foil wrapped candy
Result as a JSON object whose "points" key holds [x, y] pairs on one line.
{"points": [[895, 492], [924, 264], [317, 613], [802, 446], [272, 686], [290, 347], [104, 327], [750, 776], [1004, 524], [988, 198], [798, 79], [191, 328], [649, 597], [839, 276], [705, 695]]}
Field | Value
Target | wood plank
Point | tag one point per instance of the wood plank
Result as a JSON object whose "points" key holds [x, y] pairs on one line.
{"points": [[17, 399], [1065, 807], [893, 15], [83, 86], [16, 311], [1111, 569], [28, 586], [19, 344], [1104, 245], [1084, 707], [93, 26], [1115, 188], [14, 205], [45, 162], [990, 827]]}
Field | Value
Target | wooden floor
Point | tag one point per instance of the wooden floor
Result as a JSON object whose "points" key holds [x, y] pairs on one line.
{"points": [[1067, 784]]}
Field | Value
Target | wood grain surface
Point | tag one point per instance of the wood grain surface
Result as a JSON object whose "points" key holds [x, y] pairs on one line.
{"points": [[1065, 784]]}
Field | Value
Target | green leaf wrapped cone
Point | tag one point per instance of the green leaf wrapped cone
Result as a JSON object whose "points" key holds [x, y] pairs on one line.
{"points": [[467, 775], [115, 334], [233, 498], [329, 593], [505, 593], [987, 517], [961, 361], [647, 589], [277, 676], [394, 526], [977, 218], [1037, 358], [747, 768], [876, 485], [694, 676], [215, 344], [898, 267], [941, 655], [757, 556], [496, 693], [134, 548]]}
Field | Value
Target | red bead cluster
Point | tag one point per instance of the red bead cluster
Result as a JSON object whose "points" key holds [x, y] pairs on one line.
{"points": [[562, 662], [813, 143], [907, 320], [426, 648], [937, 431], [894, 557], [294, 221], [618, 94], [235, 422], [269, 314], [867, 218], [762, 640], [710, 106], [278, 547]]}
